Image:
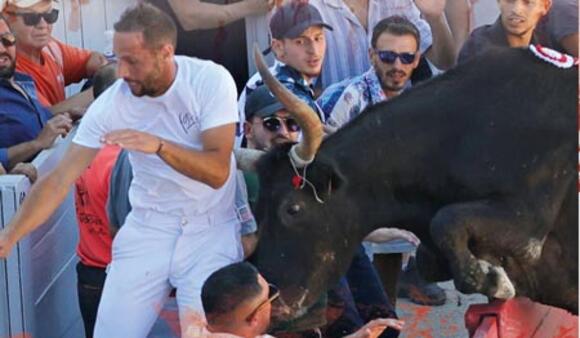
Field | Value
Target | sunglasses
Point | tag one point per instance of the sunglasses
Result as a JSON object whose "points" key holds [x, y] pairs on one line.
{"points": [[8, 39], [32, 19], [273, 294], [274, 123], [388, 56]]}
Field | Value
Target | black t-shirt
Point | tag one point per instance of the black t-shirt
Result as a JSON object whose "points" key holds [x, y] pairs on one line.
{"points": [[225, 45]]}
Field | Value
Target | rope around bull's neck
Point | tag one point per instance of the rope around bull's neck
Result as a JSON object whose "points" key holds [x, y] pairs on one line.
{"points": [[304, 180]]}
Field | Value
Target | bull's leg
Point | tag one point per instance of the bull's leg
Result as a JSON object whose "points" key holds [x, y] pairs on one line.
{"points": [[458, 229], [432, 265]]}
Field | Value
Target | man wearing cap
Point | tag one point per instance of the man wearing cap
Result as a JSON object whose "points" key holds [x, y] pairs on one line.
{"points": [[51, 63], [299, 45], [27, 127]]}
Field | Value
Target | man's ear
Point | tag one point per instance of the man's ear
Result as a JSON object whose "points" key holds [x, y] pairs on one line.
{"points": [[278, 48], [547, 6], [417, 59], [248, 128], [167, 51]]}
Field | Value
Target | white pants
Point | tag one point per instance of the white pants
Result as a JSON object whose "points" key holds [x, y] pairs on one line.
{"points": [[153, 252]]}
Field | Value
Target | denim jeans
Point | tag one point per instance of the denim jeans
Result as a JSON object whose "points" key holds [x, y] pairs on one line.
{"points": [[361, 297]]}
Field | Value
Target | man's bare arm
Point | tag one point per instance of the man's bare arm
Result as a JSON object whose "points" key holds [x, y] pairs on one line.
{"points": [[74, 105], [442, 52], [196, 14], [210, 165], [570, 44], [45, 196], [458, 14]]}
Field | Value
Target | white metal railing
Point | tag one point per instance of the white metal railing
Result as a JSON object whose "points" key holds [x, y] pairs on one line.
{"points": [[39, 275]]}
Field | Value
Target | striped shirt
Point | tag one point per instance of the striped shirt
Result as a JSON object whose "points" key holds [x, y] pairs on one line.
{"points": [[347, 45]]}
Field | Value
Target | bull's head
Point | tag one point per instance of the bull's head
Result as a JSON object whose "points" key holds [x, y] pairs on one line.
{"points": [[298, 210]]}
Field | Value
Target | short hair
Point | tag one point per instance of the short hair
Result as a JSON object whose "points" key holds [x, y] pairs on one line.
{"points": [[227, 288], [157, 27], [396, 25]]}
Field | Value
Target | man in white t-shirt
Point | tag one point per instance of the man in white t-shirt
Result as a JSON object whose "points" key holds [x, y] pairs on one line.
{"points": [[176, 116]]}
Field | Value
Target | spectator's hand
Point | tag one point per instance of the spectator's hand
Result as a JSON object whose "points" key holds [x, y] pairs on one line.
{"points": [[95, 62], [131, 139], [58, 125], [431, 8], [6, 243], [261, 6], [76, 113], [375, 327], [382, 235], [2, 170], [26, 169]]}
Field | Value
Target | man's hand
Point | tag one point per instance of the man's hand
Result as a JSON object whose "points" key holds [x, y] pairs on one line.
{"points": [[95, 61], [375, 327], [133, 140], [26, 169], [76, 113], [431, 8], [6, 243], [58, 125], [2, 170]]}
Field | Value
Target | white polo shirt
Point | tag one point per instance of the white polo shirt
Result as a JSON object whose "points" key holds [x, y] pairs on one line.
{"points": [[202, 96]]}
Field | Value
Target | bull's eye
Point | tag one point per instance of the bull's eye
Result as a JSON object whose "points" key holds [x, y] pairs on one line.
{"points": [[293, 209]]}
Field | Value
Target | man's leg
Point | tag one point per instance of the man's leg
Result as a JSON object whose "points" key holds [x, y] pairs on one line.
{"points": [[90, 281], [197, 255], [367, 290], [137, 280]]}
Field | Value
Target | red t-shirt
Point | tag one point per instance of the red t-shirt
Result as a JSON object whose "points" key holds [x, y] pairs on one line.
{"points": [[61, 65], [91, 193]]}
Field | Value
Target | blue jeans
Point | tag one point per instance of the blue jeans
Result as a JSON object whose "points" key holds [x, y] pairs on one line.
{"points": [[361, 296]]}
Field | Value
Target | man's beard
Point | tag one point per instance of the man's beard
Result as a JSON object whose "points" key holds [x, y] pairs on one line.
{"points": [[8, 71], [383, 79]]}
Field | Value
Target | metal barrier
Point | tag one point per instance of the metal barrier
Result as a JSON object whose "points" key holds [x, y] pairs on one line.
{"points": [[39, 279]]}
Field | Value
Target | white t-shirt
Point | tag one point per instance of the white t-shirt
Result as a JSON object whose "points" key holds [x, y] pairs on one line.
{"points": [[202, 96]]}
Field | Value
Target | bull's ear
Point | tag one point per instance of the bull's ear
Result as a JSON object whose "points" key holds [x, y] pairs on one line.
{"points": [[326, 178]]}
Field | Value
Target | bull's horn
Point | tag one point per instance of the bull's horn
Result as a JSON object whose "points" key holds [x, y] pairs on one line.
{"points": [[306, 117], [246, 159]]}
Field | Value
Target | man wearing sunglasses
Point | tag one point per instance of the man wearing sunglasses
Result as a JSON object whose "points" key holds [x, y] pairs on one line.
{"points": [[27, 127], [394, 55], [238, 301], [267, 121], [51, 63]]}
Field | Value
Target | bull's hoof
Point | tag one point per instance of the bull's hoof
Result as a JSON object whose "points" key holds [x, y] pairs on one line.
{"points": [[487, 279]]}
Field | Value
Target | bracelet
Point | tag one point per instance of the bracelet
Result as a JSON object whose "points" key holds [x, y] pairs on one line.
{"points": [[161, 144]]}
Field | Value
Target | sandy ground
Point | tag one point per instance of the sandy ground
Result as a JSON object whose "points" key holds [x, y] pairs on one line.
{"points": [[437, 321]]}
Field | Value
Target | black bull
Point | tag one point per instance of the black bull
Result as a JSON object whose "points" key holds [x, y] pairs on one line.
{"points": [[480, 163]]}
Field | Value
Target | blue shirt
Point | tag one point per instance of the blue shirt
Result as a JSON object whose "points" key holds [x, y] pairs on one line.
{"points": [[21, 118]]}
